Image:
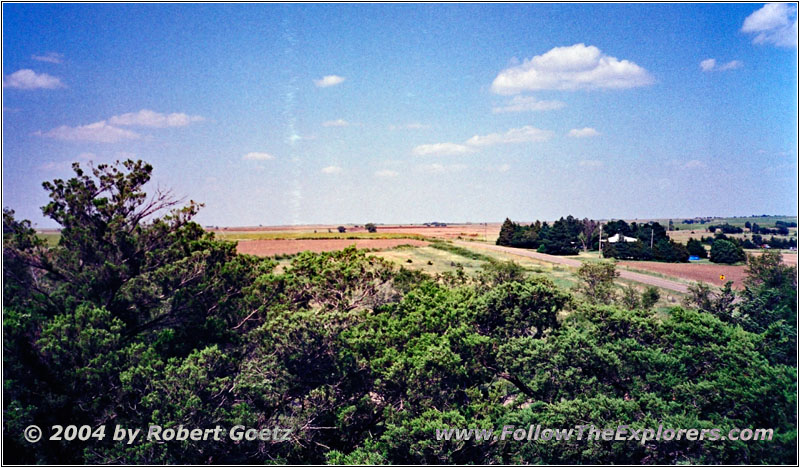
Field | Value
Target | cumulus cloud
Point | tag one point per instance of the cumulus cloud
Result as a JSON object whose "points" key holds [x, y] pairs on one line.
{"points": [[708, 65], [331, 170], [148, 118], [109, 131], [100, 132], [29, 79], [50, 57], [590, 163], [527, 104], [336, 123], [258, 156], [328, 80], [524, 134], [571, 68], [586, 132], [774, 23], [441, 149], [386, 173], [515, 135]]}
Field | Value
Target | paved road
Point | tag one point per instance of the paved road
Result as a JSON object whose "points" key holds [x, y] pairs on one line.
{"points": [[629, 275]]}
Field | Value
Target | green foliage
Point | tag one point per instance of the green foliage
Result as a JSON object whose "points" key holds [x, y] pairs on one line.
{"points": [[650, 297], [565, 237], [597, 281], [630, 298], [696, 248], [458, 250], [652, 243], [724, 251]]}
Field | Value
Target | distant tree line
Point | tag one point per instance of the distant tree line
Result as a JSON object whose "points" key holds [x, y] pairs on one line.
{"points": [[568, 235], [726, 228], [699, 221], [565, 237], [781, 228], [754, 242]]}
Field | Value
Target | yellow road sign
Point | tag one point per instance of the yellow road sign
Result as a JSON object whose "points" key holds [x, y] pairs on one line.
{"points": [[722, 277]]}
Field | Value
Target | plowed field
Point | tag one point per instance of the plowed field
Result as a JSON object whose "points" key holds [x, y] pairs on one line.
{"points": [[694, 272], [269, 247]]}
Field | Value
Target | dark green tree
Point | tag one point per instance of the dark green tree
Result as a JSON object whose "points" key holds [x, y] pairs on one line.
{"points": [[725, 251], [506, 233], [597, 281], [696, 248]]}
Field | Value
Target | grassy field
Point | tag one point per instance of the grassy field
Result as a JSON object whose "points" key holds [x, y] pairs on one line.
{"points": [[765, 221], [244, 235], [433, 259]]}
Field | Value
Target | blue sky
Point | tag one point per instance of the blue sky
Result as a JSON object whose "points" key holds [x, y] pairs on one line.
{"points": [[288, 114]]}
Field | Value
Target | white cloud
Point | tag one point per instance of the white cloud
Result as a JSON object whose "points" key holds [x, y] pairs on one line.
{"points": [[386, 173], [437, 168], [527, 104], [329, 80], [571, 68], [336, 123], [51, 57], [100, 132], [441, 149], [590, 163], [256, 156], [586, 132], [708, 65], [774, 23], [332, 170], [732, 65], [148, 118], [524, 134], [515, 135], [29, 79]]}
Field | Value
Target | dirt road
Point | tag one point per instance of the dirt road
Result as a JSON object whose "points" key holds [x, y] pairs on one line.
{"points": [[629, 275]]}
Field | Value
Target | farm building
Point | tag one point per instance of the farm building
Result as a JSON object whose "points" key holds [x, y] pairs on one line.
{"points": [[620, 238]]}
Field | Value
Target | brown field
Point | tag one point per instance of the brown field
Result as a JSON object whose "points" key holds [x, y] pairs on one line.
{"points": [[708, 273], [476, 232], [269, 247]]}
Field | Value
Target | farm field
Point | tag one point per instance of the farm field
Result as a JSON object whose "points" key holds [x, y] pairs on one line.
{"points": [[477, 231], [270, 247], [704, 272]]}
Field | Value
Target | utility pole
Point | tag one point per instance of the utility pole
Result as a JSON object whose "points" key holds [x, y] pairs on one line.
{"points": [[601, 240], [651, 236]]}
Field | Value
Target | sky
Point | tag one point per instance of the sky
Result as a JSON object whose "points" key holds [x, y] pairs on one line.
{"points": [[274, 114]]}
